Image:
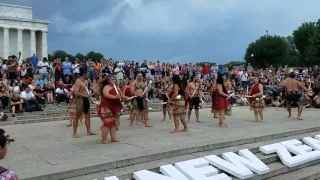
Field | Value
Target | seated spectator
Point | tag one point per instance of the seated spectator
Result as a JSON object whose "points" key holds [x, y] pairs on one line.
{"points": [[3, 116], [39, 94], [49, 91], [4, 97], [269, 99], [62, 94], [5, 174], [278, 102], [16, 104], [316, 100], [29, 99], [305, 100]]}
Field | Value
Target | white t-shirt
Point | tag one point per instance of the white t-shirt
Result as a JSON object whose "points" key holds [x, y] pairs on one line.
{"points": [[26, 95], [43, 70], [61, 91], [76, 68]]}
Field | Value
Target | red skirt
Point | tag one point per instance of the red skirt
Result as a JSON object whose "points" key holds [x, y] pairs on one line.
{"points": [[220, 102]]}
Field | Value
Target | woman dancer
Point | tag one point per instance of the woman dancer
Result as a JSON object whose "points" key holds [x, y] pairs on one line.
{"points": [[129, 94], [213, 91], [221, 100], [72, 109], [257, 102], [177, 97], [139, 102], [167, 86], [110, 107]]}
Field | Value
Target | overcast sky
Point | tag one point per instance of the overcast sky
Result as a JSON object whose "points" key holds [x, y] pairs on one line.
{"points": [[167, 30]]}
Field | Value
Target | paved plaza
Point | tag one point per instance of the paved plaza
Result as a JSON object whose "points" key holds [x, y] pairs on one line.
{"points": [[44, 150]]}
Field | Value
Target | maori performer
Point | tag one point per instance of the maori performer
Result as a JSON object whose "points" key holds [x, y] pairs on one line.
{"points": [[213, 91], [82, 103], [257, 102], [139, 102], [110, 107], [220, 100], [292, 86], [178, 105], [165, 90], [193, 91]]}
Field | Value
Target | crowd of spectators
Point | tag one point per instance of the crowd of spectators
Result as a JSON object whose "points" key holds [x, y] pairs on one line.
{"points": [[33, 83]]}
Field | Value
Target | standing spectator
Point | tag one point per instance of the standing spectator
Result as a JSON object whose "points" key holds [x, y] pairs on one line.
{"points": [[214, 70], [90, 69], [5, 174], [75, 67], [12, 65], [119, 74], [66, 68], [43, 66], [205, 70], [34, 62]]}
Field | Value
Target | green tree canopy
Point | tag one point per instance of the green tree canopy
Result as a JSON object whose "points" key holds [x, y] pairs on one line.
{"points": [[80, 56], [267, 50], [95, 56]]}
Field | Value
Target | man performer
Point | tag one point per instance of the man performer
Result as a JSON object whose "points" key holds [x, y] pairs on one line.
{"points": [[292, 87], [192, 90], [82, 102]]}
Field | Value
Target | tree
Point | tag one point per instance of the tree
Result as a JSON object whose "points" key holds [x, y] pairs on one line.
{"points": [[294, 54], [80, 56], [95, 56], [50, 58], [231, 64], [59, 54], [303, 39], [312, 50], [267, 50]]}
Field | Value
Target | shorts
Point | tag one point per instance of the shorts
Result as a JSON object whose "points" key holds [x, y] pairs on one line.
{"points": [[194, 103]]}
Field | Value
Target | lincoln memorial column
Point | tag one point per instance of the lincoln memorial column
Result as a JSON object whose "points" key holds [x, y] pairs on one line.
{"points": [[44, 44], [33, 48], [6, 46], [20, 42]]}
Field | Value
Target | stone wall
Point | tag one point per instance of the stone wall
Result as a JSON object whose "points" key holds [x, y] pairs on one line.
{"points": [[14, 11]]}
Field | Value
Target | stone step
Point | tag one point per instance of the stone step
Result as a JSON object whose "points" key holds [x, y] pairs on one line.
{"points": [[272, 161], [125, 167], [307, 173]]}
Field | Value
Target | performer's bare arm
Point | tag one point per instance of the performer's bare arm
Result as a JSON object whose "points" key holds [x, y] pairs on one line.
{"points": [[220, 91], [188, 89], [175, 92], [302, 87]]}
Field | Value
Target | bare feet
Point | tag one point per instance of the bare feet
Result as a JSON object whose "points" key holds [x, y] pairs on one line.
{"points": [[105, 142], [199, 121], [216, 117], [299, 118], [223, 126], [255, 121], [114, 140], [148, 125], [184, 130], [69, 125], [261, 121], [175, 132], [76, 136], [91, 133], [289, 116], [131, 127], [163, 119]]}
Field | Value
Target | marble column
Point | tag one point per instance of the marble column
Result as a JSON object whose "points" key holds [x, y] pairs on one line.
{"points": [[33, 48], [44, 44], [20, 42], [6, 45]]}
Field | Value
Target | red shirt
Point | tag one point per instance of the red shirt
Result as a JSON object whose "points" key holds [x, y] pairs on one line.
{"points": [[205, 69]]}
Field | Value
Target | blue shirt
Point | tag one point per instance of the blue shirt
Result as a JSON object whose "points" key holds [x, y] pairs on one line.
{"points": [[67, 68], [34, 60]]}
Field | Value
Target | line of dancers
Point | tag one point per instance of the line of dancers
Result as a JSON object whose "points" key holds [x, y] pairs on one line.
{"points": [[176, 100]]}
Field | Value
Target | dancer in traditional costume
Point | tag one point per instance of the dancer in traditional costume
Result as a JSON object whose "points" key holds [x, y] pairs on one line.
{"points": [[82, 103], [292, 86], [213, 91], [139, 102], [221, 100], [193, 91], [110, 107], [177, 99], [257, 101], [165, 90]]}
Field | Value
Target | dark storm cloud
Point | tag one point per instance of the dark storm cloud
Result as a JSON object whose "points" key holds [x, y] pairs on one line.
{"points": [[175, 30]]}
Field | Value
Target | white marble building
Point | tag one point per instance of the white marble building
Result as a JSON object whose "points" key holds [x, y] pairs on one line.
{"points": [[20, 33]]}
